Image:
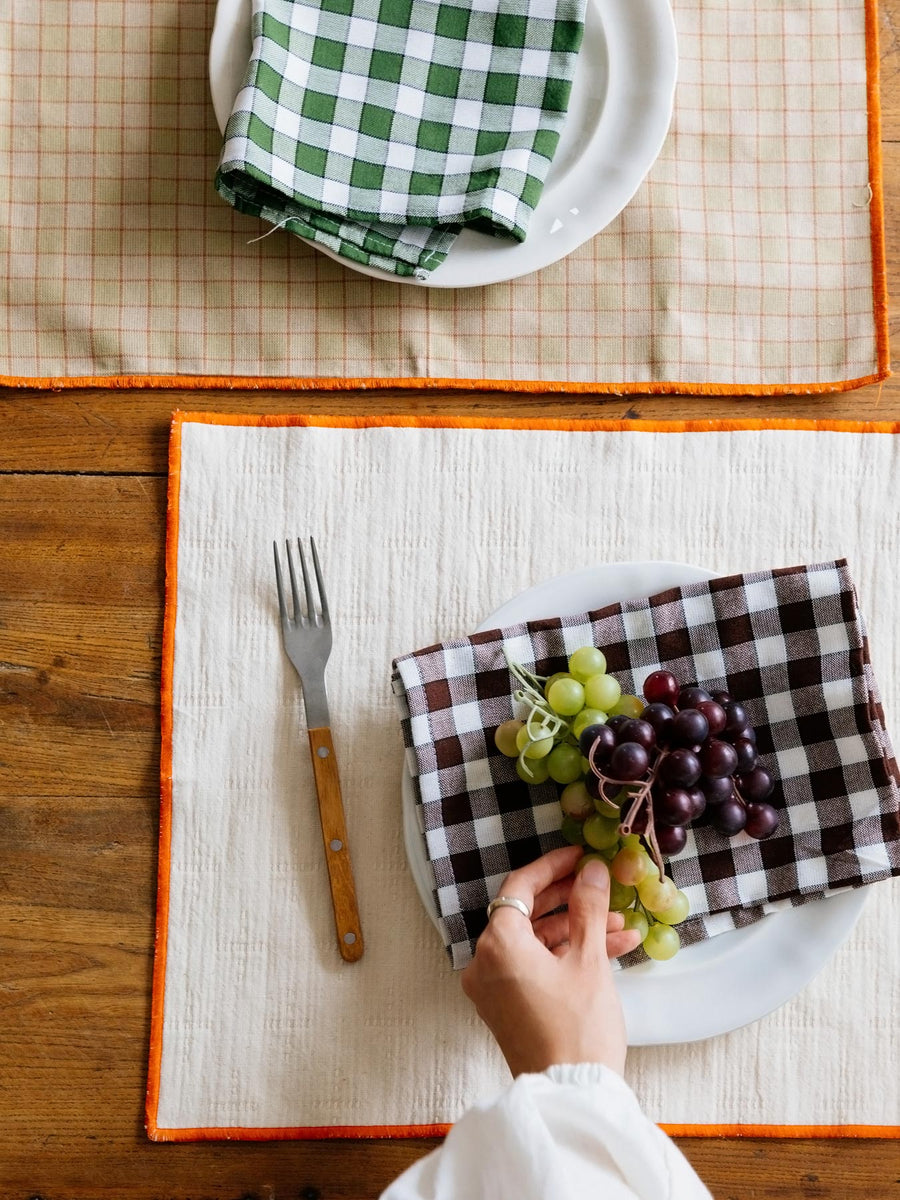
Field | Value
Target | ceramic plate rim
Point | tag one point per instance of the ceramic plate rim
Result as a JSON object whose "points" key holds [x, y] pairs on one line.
{"points": [[665, 1006], [633, 27]]}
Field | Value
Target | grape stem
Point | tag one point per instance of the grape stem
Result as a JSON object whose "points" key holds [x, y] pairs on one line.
{"points": [[639, 795]]}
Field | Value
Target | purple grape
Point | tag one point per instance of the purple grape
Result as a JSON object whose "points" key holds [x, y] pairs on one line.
{"points": [[736, 720], [629, 761], [661, 687], [592, 783], [698, 802], [756, 784], [675, 807], [636, 730], [681, 769], [617, 721], [671, 838], [689, 728], [660, 716], [718, 759], [729, 818], [715, 715], [722, 698], [605, 739], [717, 790], [750, 734], [762, 820], [691, 695], [746, 754], [639, 824]]}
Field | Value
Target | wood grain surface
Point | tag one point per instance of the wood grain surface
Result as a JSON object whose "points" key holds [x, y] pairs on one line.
{"points": [[82, 519]]}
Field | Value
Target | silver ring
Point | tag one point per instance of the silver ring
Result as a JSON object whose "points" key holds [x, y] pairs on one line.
{"points": [[509, 902]]}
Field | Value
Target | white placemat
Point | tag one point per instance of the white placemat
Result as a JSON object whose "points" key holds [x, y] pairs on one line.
{"points": [[260, 1030]]}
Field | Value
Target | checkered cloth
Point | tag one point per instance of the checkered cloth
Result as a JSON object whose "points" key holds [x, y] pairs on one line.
{"points": [[379, 128], [790, 644]]}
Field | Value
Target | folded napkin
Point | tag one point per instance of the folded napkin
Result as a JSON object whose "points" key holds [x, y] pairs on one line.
{"points": [[379, 128], [790, 644]]}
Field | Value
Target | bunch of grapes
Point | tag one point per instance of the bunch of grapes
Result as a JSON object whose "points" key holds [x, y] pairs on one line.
{"points": [[635, 773]]}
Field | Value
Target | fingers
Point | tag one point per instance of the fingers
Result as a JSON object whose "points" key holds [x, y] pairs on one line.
{"points": [[553, 930], [622, 942], [589, 909], [552, 897], [528, 882]]}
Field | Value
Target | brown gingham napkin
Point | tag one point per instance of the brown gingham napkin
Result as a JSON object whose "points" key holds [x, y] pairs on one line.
{"points": [[789, 643]]}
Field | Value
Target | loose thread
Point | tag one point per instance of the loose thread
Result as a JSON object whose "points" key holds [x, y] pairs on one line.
{"points": [[280, 225], [868, 201]]}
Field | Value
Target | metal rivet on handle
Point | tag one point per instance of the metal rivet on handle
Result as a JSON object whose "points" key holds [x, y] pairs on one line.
{"points": [[349, 938], [322, 752], [336, 844]]}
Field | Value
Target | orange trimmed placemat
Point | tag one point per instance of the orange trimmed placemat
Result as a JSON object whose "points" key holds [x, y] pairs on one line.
{"points": [[259, 1031], [751, 261]]}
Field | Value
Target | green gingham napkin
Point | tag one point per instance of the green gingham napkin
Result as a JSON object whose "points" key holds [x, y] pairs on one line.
{"points": [[379, 128]]}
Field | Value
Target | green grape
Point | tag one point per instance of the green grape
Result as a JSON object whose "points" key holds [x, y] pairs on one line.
{"points": [[537, 748], [553, 678], [572, 832], [635, 919], [676, 912], [564, 763], [632, 866], [621, 896], [566, 696], [602, 691], [601, 832], [605, 809], [662, 942], [587, 716], [628, 706], [576, 801], [505, 738], [533, 771], [631, 840], [586, 662], [657, 894]]}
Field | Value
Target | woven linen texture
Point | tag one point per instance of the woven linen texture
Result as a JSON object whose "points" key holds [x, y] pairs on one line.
{"points": [[744, 260], [263, 1026], [789, 644], [380, 127]]}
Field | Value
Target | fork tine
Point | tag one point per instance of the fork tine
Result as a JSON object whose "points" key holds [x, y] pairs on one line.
{"points": [[279, 583], [322, 597], [295, 594], [310, 598]]}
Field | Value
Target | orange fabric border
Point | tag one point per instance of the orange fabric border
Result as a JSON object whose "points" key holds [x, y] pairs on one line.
{"points": [[158, 986], [179, 418], [880, 313], [876, 183], [426, 383]]}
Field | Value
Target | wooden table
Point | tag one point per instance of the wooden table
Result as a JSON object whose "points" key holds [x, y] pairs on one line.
{"points": [[82, 519]]}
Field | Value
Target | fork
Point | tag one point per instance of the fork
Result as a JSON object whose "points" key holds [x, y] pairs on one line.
{"points": [[307, 642]]}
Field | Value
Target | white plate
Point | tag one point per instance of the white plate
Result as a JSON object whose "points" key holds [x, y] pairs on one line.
{"points": [[714, 986], [619, 115]]}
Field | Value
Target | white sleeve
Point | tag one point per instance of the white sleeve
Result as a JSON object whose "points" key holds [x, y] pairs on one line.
{"points": [[573, 1131]]}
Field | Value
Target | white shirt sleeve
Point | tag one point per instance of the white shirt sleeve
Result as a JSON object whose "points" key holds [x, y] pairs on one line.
{"points": [[572, 1132]]}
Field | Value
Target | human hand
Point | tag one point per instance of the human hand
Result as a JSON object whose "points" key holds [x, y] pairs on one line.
{"points": [[544, 986]]}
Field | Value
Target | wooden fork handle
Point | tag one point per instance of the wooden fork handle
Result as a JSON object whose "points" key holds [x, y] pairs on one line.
{"points": [[334, 835]]}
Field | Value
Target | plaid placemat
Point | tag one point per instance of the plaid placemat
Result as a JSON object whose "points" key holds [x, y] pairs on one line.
{"points": [[379, 128], [789, 644], [750, 261]]}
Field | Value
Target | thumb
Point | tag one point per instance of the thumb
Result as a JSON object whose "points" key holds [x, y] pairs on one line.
{"points": [[589, 908]]}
